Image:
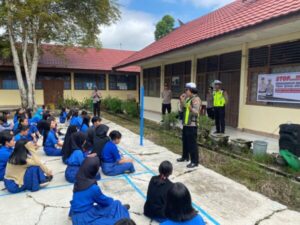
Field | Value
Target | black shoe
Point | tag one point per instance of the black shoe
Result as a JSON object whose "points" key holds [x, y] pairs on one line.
{"points": [[192, 165], [182, 160], [47, 181], [127, 206], [216, 132]]}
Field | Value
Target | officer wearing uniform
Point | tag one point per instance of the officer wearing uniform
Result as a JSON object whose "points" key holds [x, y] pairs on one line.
{"points": [[190, 105], [220, 100]]}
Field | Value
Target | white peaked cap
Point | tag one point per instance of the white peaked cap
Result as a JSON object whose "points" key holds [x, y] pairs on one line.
{"points": [[217, 82], [191, 85]]}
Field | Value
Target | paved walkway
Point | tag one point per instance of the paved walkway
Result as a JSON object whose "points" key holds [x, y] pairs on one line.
{"points": [[218, 199], [273, 146]]}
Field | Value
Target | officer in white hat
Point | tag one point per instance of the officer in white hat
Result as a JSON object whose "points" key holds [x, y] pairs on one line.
{"points": [[190, 105], [220, 101]]}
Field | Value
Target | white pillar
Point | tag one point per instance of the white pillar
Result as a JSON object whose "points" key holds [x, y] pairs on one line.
{"points": [[194, 69], [162, 77]]}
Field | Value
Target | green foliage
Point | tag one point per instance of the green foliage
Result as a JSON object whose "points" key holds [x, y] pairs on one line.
{"points": [[113, 105], [70, 103], [130, 108], [164, 27], [87, 104], [205, 126], [170, 121]]}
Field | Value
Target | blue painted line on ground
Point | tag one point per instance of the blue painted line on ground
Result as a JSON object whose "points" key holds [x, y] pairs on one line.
{"points": [[135, 187], [202, 211]]}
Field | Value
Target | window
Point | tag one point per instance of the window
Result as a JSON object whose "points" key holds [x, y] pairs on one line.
{"points": [[278, 58], [66, 77], [177, 75], [8, 81], [211, 68], [152, 82], [122, 82], [84, 81]]}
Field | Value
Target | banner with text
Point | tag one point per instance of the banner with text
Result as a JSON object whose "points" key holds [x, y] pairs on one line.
{"points": [[281, 87]]}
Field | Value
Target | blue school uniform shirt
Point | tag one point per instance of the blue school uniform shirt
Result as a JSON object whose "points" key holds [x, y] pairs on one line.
{"points": [[15, 119], [197, 220], [76, 121], [19, 137], [51, 140], [32, 130], [16, 125], [76, 158], [5, 153], [110, 153], [84, 128], [63, 117], [84, 200]]}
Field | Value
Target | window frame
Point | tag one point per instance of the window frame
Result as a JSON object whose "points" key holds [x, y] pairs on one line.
{"points": [[127, 81], [97, 81]]}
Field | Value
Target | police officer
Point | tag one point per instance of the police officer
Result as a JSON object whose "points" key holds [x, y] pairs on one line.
{"points": [[220, 100], [190, 105]]}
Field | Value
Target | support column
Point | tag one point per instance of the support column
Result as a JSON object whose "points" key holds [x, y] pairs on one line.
{"points": [[72, 84], [142, 77], [106, 82], [194, 69], [162, 78], [243, 82]]}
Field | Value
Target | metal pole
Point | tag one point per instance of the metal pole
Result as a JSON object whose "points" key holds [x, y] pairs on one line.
{"points": [[142, 116]]}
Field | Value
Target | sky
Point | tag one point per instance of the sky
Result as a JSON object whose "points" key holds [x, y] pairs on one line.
{"points": [[135, 29]]}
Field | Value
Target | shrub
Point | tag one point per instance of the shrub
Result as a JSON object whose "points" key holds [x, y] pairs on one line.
{"points": [[68, 103], [130, 107], [87, 104], [170, 120], [205, 126], [114, 105]]}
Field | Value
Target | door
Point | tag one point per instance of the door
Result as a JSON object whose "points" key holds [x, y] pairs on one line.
{"points": [[53, 91], [231, 84]]}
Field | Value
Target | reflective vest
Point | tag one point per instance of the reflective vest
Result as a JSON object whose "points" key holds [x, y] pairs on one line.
{"points": [[219, 99], [188, 119]]}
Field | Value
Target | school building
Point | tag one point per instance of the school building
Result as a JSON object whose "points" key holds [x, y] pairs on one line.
{"points": [[234, 44], [70, 72]]}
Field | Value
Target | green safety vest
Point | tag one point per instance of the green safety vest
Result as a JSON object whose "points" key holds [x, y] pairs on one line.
{"points": [[187, 118], [219, 99]]}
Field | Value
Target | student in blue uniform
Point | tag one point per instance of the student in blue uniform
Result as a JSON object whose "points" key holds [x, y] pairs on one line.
{"points": [[23, 133], [76, 120], [63, 115], [24, 170], [33, 132], [75, 156], [7, 146], [37, 116], [112, 163], [89, 205], [52, 145], [4, 124], [85, 124], [179, 209], [157, 193]]}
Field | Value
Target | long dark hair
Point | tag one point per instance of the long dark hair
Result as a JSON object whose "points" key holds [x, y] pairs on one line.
{"points": [[179, 204], [86, 120], [165, 170], [20, 154], [47, 128], [63, 110], [125, 222], [67, 142], [5, 136]]}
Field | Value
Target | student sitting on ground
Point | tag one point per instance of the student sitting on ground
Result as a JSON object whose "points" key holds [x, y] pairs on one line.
{"points": [[125, 222], [157, 193], [96, 121], [33, 132], [85, 124], [76, 120], [67, 142], [23, 133], [4, 124], [19, 113], [112, 163], [37, 116], [63, 115], [89, 205], [24, 170], [179, 209], [75, 156], [7, 146], [52, 145]]}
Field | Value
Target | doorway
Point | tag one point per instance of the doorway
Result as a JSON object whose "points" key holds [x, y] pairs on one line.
{"points": [[53, 91]]}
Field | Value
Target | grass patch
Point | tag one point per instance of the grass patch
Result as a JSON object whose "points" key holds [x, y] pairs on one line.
{"points": [[275, 187]]}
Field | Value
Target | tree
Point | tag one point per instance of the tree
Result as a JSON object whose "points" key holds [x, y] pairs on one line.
{"points": [[164, 27], [28, 24]]}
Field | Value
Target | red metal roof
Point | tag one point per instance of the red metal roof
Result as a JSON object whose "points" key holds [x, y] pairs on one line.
{"points": [[84, 58], [235, 16]]}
